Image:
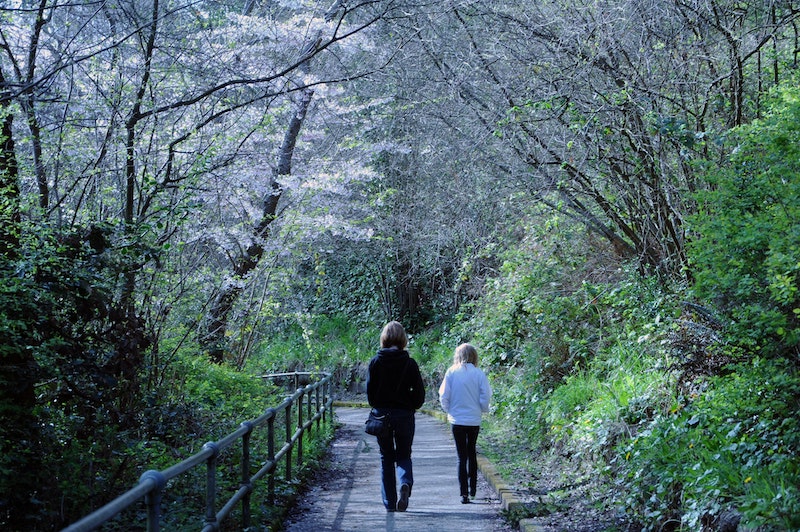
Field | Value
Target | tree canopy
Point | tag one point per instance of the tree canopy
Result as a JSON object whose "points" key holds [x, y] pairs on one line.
{"points": [[195, 176]]}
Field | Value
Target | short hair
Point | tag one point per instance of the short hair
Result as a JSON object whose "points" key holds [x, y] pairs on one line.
{"points": [[465, 353], [394, 335]]}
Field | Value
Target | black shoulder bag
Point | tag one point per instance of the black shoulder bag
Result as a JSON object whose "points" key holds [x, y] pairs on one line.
{"points": [[380, 426]]}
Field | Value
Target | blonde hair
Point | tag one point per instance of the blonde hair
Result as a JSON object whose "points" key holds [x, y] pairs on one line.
{"points": [[394, 335], [465, 353]]}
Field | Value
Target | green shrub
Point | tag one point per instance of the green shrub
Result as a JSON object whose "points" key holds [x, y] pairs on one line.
{"points": [[538, 312], [746, 252], [575, 349], [622, 387], [308, 342], [73, 350], [736, 446]]}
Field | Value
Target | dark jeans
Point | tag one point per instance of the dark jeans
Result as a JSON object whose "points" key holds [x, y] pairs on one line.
{"points": [[396, 453], [466, 437]]}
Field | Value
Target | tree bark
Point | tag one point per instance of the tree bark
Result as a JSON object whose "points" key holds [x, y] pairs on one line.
{"points": [[9, 182], [28, 104], [214, 338]]}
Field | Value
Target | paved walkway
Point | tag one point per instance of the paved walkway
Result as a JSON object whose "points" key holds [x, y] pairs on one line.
{"points": [[346, 496]]}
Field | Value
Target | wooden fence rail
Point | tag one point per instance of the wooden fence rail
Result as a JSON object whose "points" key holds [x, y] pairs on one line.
{"points": [[312, 403]]}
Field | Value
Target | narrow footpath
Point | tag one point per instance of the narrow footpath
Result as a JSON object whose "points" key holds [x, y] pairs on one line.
{"points": [[346, 496]]}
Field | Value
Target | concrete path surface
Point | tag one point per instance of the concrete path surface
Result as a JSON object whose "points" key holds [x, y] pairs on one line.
{"points": [[346, 495]]}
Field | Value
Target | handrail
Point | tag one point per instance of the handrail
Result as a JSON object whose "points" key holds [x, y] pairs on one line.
{"points": [[152, 483], [295, 375]]}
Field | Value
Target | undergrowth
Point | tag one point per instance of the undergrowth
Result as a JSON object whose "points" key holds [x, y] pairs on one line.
{"points": [[734, 446], [620, 379], [206, 403]]}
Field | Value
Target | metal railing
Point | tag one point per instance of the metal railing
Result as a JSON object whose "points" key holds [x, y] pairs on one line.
{"points": [[313, 404]]}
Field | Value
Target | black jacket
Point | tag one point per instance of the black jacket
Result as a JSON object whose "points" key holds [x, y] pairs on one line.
{"points": [[384, 388]]}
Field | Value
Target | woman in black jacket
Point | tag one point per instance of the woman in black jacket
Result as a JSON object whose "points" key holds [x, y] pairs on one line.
{"points": [[395, 387]]}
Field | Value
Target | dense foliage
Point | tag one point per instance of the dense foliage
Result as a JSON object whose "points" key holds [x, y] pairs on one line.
{"points": [[603, 196], [733, 447], [98, 420], [691, 411], [747, 249]]}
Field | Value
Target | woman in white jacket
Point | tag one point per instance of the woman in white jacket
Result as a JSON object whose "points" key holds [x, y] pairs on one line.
{"points": [[465, 394]]}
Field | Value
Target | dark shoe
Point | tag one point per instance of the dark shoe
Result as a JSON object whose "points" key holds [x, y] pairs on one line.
{"points": [[472, 493], [402, 502], [464, 499]]}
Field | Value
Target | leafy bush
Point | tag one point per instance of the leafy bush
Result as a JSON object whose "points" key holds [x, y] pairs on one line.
{"points": [[537, 313], [746, 251], [307, 342], [69, 329], [574, 345], [736, 446], [622, 387]]}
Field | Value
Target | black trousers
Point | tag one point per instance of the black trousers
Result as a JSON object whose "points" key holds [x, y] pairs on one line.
{"points": [[466, 438]]}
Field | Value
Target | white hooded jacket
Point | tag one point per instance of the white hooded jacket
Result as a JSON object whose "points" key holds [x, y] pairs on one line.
{"points": [[464, 394]]}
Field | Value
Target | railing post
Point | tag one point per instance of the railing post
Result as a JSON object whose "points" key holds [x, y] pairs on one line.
{"points": [[246, 473], [271, 455], [211, 484], [308, 407], [153, 499], [329, 398], [289, 442], [300, 428], [316, 399]]}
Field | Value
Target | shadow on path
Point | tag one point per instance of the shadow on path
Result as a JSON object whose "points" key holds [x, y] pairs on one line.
{"points": [[346, 495]]}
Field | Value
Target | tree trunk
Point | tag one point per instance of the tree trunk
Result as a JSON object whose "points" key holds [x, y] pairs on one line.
{"points": [[9, 183], [214, 338], [29, 107]]}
